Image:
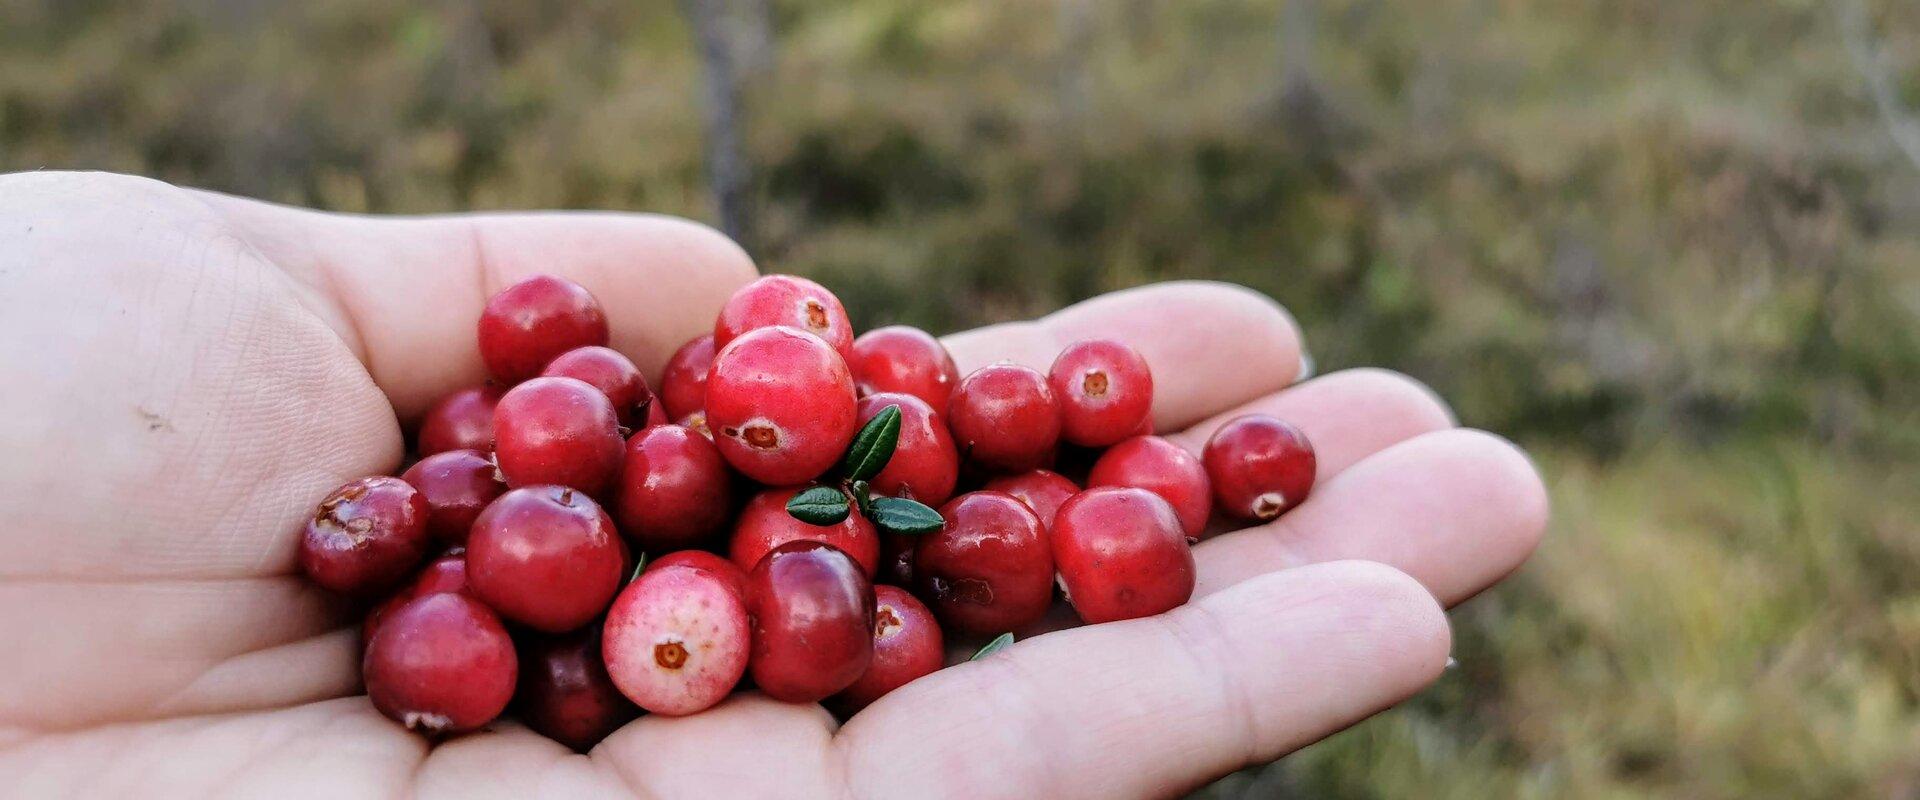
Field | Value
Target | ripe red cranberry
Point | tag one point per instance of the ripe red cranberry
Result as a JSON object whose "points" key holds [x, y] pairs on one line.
{"points": [[565, 693], [675, 490], [788, 300], [781, 405], [529, 323], [1260, 467], [677, 640], [365, 536], [558, 431], [656, 414], [701, 559], [1004, 417], [546, 557], [1042, 490], [1104, 388], [441, 664], [924, 465], [1164, 468], [460, 421], [457, 484], [989, 569], [906, 645], [683, 386], [448, 573], [765, 524], [1121, 554], [613, 374], [904, 359], [812, 613]]}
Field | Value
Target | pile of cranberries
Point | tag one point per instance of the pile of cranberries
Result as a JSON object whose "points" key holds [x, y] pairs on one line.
{"points": [[824, 512]]}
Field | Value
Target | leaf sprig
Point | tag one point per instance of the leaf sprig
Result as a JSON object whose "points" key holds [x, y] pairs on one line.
{"points": [[872, 448]]}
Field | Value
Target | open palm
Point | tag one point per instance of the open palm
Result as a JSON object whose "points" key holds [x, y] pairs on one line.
{"points": [[186, 374]]}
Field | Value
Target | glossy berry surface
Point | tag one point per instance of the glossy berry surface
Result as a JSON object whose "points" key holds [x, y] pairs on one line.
{"points": [[904, 359], [565, 693], [1164, 468], [907, 645], [785, 300], [988, 570], [1004, 418], [781, 406], [1260, 467], [448, 573], [812, 614], [557, 431], [460, 421], [765, 524], [656, 414], [457, 485], [734, 576], [440, 665], [1042, 490], [683, 386], [546, 557], [676, 640], [675, 490], [529, 323], [924, 465], [365, 536], [1121, 554], [1104, 389], [604, 368]]}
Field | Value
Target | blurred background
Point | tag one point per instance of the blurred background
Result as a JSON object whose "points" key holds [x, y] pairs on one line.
{"points": [[1672, 248]]}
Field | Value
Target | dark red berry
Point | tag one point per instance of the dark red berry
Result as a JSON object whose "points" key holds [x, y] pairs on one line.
{"points": [[546, 557], [557, 431], [925, 464], [604, 368], [683, 386], [989, 569], [904, 359], [457, 484], [441, 664], [1121, 554], [448, 573], [1164, 468], [812, 613], [657, 414], [565, 693], [1260, 467], [787, 300], [1042, 490], [675, 490], [365, 536], [765, 524], [1104, 389], [781, 406], [677, 640], [906, 645], [460, 421], [529, 323], [1004, 418]]}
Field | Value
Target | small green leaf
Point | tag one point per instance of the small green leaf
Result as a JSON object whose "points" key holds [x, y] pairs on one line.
{"points": [[820, 505], [639, 566], [998, 644], [873, 446], [900, 515], [862, 496]]}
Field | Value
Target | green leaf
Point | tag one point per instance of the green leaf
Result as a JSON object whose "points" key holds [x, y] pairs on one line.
{"points": [[639, 566], [873, 446], [900, 515], [862, 496], [820, 505], [998, 644]]}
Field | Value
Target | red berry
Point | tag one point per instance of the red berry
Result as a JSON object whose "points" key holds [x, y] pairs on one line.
{"points": [[1042, 490], [1260, 467], [765, 524], [988, 570], [529, 323], [677, 640], [924, 465], [906, 645], [565, 693], [546, 557], [675, 490], [701, 559], [613, 374], [460, 421], [683, 387], [441, 664], [904, 359], [656, 414], [1121, 554], [557, 431], [781, 405], [365, 536], [1164, 468], [697, 422], [457, 484], [1104, 388], [447, 573], [1004, 417], [812, 613], [788, 300]]}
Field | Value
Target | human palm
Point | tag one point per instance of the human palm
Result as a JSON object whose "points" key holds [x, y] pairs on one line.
{"points": [[187, 373]]}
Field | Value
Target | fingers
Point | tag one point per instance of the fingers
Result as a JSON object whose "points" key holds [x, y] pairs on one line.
{"points": [[1154, 706]]}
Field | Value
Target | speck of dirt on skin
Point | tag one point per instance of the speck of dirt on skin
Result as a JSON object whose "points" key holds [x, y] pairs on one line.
{"points": [[1094, 384]]}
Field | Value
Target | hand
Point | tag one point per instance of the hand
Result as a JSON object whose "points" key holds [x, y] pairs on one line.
{"points": [[187, 373]]}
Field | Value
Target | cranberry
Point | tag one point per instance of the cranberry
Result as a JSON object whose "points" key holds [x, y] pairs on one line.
{"points": [[924, 465], [677, 640], [1004, 417], [1104, 388], [546, 557], [365, 536], [529, 323], [904, 359], [683, 387], [1260, 467], [788, 300], [457, 484], [558, 431], [697, 422], [447, 573], [781, 405], [906, 645], [460, 421], [988, 569], [765, 524], [656, 415], [1042, 490], [441, 664], [613, 374], [812, 613], [1121, 554], [675, 490], [701, 559], [1164, 468], [565, 693]]}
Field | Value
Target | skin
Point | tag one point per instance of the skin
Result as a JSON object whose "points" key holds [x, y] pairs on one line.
{"points": [[177, 652]]}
